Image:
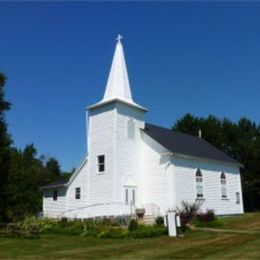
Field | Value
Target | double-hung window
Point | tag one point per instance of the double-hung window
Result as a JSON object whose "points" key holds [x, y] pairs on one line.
{"points": [[101, 163], [55, 195], [237, 198], [77, 193], [223, 183], [199, 184]]}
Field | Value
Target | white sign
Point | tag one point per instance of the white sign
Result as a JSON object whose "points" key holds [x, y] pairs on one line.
{"points": [[178, 220], [172, 224]]}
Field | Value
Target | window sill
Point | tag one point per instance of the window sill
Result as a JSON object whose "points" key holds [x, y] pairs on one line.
{"points": [[100, 173], [224, 198]]}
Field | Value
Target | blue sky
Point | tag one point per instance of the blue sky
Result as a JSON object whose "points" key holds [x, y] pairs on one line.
{"points": [[202, 58]]}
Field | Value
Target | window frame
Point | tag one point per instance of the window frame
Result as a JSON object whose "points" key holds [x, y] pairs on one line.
{"points": [[101, 164], [199, 184], [130, 195], [130, 128], [238, 199], [77, 193], [223, 184], [55, 195], [126, 196]]}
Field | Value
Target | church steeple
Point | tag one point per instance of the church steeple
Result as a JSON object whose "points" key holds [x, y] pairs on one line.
{"points": [[118, 83], [118, 87]]}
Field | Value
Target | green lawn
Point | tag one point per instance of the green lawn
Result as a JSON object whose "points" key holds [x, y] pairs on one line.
{"points": [[248, 221], [196, 244]]}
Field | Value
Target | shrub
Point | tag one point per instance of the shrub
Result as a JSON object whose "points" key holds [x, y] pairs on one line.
{"points": [[145, 231], [207, 216], [31, 231], [133, 225], [159, 221], [123, 220], [188, 211], [211, 224], [113, 233], [18, 230], [99, 228], [13, 230]]}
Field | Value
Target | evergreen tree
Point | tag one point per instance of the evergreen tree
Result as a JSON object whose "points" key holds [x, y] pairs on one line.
{"points": [[5, 142]]}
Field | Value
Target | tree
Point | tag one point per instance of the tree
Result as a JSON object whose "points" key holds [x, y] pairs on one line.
{"points": [[53, 166], [27, 174], [22, 173], [5, 142]]}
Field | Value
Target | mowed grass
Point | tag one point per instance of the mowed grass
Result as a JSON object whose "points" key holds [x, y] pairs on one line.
{"points": [[195, 245], [248, 221]]}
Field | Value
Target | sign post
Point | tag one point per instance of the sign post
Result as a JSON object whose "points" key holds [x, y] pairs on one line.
{"points": [[171, 219]]}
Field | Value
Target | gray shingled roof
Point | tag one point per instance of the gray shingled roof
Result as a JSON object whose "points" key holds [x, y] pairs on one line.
{"points": [[56, 183], [186, 144]]}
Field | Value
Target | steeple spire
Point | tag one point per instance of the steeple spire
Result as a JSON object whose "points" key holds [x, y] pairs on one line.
{"points": [[118, 83], [118, 87]]}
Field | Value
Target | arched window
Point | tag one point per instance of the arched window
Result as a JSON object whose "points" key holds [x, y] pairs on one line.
{"points": [[199, 184], [223, 183]]}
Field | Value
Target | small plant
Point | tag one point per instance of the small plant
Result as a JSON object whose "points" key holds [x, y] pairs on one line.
{"points": [[133, 225], [159, 221]]}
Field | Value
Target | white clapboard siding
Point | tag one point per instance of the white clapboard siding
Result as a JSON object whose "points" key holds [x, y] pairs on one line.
{"points": [[100, 210], [156, 173], [185, 186], [79, 181], [54, 208], [101, 142], [127, 152]]}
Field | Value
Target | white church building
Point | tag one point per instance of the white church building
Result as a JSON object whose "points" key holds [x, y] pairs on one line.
{"points": [[132, 165]]}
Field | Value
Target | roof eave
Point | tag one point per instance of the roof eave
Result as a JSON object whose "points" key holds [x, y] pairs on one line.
{"points": [[102, 103], [185, 156], [54, 186], [70, 179]]}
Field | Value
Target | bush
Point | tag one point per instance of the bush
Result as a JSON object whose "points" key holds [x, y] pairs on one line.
{"points": [[13, 230], [145, 231], [99, 228], [188, 211], [159, 221], [211, 224], [55, 226], [207, 216], [113, 233], [133, 225], [31, 231], [17, 230]]}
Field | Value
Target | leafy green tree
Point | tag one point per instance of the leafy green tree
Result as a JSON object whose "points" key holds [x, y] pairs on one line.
{"points": [[53, 166], [27, 174], [188, 124], [5, 142], [22, 173]]}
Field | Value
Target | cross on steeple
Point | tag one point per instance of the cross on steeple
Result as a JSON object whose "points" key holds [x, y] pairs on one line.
{"points": [[119, 38]]}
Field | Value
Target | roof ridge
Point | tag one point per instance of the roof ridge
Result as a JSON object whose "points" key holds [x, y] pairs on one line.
{"points": [[178, 132]]}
